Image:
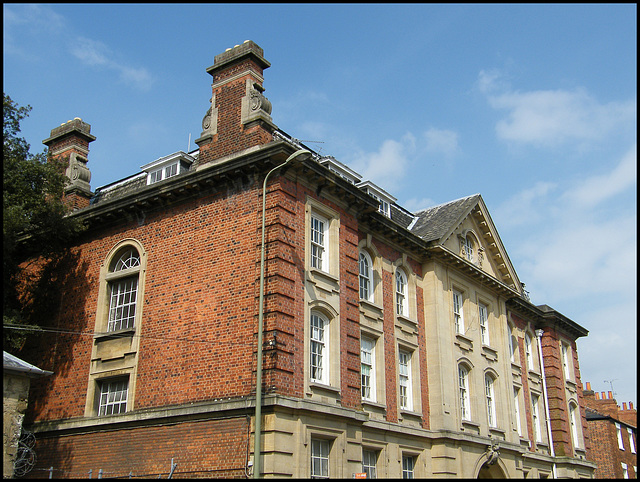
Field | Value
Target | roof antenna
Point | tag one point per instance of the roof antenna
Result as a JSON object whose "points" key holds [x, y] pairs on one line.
{"points": [[610, 382], [189, 143]]}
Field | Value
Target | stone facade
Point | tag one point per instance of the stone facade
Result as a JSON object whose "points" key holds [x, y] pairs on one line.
{"points": [[394, 342]]}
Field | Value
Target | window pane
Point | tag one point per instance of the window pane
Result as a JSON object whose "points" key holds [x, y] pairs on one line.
{"points": [[113, 397], [317, 242], [367, 368], [407, 467], [128, 259], [365, 277], [319, 458], [122, 304], [317, 347], [369, 459]]}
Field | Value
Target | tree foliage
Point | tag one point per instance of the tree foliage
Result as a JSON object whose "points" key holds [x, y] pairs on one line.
{"points": [[34, 217]]}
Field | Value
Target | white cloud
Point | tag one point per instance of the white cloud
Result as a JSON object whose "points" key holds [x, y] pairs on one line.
{"points": [[577, 245], [414, 205], [524, 207], [31, 31], [95, 53], [441, 141], [23, 23], [600, 188], [387, 166], [550, 117]]}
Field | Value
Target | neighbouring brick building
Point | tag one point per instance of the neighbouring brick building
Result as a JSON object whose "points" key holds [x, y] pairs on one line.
{"points": [[394, 343], [613, 431]]}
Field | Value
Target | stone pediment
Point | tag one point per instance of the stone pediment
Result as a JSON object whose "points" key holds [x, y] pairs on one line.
{"points": [[464, 228]]}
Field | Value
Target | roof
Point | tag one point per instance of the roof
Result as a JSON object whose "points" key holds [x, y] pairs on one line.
{"points": [[14, 364], [433, 223]]}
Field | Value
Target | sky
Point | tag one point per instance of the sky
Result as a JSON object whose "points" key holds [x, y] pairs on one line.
{"points": [[532, 106]]}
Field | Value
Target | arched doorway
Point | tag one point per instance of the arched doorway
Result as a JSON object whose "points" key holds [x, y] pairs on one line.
{"points": [[491, 472]]}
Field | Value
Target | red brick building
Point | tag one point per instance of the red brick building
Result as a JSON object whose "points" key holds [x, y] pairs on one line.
{"points": [[613, 431], [393, 343]]}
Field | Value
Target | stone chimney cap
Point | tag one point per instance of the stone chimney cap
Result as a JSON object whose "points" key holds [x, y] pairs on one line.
{"points": [[247, 49], [76, 126]]}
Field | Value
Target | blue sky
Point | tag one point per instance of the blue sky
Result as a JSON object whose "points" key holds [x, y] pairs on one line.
{"points": [[532, 106]]}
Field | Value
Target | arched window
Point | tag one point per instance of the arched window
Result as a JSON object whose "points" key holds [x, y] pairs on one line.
{"points": [[366, 276], [491, 400], [319, 348], [463, 390], [573, 425], [528, 350], [122, 278], [402, 307], [513, 344], [468, 248]]}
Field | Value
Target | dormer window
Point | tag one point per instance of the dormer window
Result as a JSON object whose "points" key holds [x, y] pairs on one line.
{"points": [[342, 170], [167, 167], [384, 198]]}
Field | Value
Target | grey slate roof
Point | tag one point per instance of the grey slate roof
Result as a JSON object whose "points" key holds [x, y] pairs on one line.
{"points": [[433, 223], [12, 363]]}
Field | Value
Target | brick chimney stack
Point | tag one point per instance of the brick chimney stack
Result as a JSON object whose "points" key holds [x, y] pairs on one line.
{"points": [[71, 141], [240, 115]]}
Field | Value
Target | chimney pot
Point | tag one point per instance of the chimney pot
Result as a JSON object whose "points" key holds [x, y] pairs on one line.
{"points": [[630, 405], [624, 405], [604, 396], [588, 385], [597, 395], [610, 395]]}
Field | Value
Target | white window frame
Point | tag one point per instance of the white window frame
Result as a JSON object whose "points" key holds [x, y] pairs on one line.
{"points": [[632, 445], [535, 415], [319, 326], [365, 268], [625, 470], [402, 288], [513, 346], [368, 368], [491, 400], [405, 392], [320, 455], [112, 396], [573, 425], [123, 283], [516, 402], [468, 248], [369, 463], [528, 350], [319, 239], [619, 431], [458, 312], [163, 173], [483, 315], [463, 391], [566, 350], [408, 466]]}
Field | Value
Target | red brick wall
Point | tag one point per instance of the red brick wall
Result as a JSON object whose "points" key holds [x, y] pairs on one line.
{"points": [[204, 449], [605, 452], [200, 308], [232, 136], [604, 448]]}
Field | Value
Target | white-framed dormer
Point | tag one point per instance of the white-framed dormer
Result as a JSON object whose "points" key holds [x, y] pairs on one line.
{"points": [[167, 166], [383, 197], [345, 172]]}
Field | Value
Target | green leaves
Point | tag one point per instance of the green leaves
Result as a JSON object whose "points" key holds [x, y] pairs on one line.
{"points": [[34, 217]]}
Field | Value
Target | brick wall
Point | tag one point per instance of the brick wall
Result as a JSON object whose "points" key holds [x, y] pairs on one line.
{"points": [[604, 449], [203, 449], [200, 307]]}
